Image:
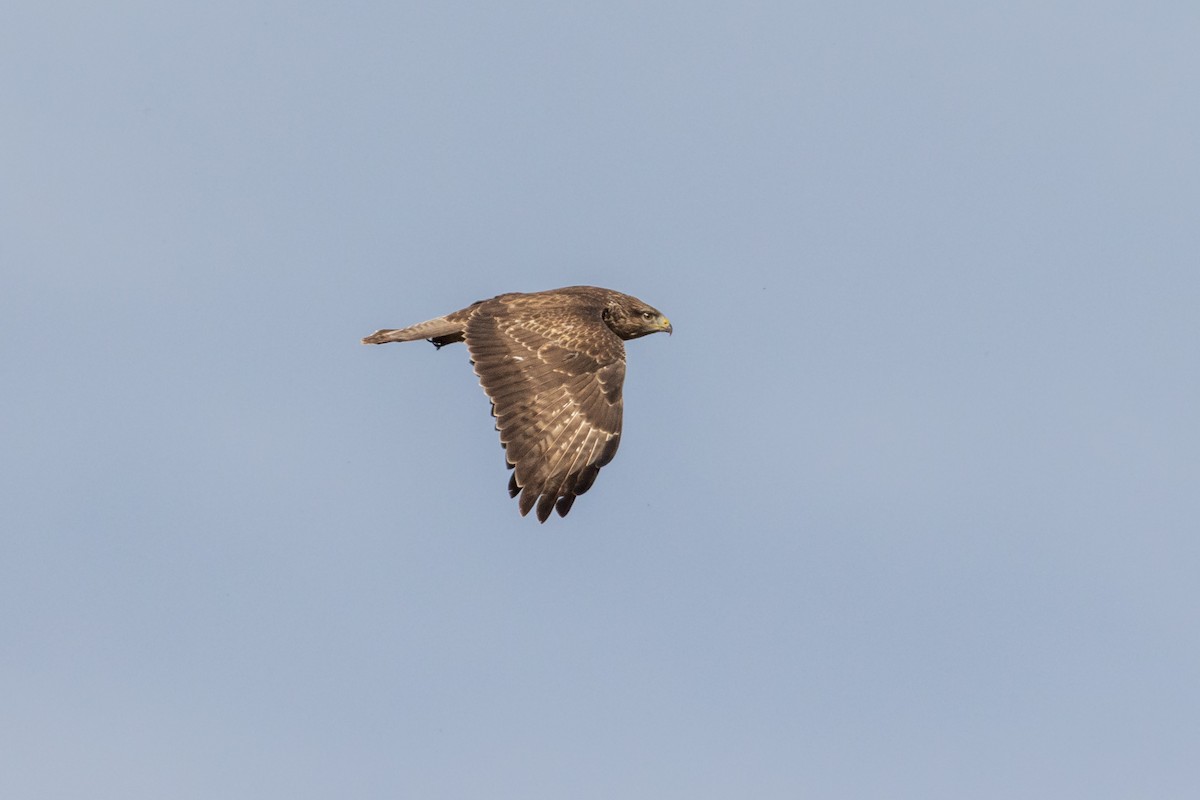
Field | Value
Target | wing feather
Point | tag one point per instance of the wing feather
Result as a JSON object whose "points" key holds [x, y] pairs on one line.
{"points": [[554, 374]]}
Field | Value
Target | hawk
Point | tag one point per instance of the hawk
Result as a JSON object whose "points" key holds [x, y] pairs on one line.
{"points": [[552, 364]]}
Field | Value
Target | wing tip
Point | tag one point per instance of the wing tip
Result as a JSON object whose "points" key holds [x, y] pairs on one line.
{"points": [[545, 504]]}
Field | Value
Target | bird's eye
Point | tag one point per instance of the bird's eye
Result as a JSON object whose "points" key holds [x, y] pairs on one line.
{"points": [[647, 315]]}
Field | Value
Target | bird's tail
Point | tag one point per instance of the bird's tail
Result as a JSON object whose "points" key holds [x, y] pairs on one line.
{"points": [[441, 330]]}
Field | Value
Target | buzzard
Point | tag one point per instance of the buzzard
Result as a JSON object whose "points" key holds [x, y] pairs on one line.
{"points": [[552, 364]]}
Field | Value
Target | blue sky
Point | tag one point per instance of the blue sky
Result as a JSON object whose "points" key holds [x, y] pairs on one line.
{"points": [[906, 507]]}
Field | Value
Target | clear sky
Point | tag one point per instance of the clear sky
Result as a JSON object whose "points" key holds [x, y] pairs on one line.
{"points": [[907, 507]]}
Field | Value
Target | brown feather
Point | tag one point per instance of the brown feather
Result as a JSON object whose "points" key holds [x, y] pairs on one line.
{"points": [[553, 364]]}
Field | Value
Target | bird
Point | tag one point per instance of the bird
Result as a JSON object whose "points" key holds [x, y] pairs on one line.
{"points": [[553, 365]]}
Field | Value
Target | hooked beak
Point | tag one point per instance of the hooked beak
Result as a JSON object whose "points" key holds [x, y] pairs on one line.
{"points": [[665, 324]]}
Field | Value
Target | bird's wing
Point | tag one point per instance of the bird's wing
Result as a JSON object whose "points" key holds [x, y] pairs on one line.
{"points": [[554, 376]]}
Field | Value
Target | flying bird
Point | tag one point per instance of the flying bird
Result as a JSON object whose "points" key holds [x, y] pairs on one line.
{"points": [[552, 364]]}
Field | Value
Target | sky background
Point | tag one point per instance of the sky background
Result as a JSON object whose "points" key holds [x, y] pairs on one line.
{"points": [[907, 507]]}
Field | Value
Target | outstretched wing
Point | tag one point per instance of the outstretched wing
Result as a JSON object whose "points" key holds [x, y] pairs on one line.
{"points": [[554, 375]]}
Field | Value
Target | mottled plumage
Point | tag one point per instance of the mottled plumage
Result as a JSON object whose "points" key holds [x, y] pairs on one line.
{"points": [[553, 364]]}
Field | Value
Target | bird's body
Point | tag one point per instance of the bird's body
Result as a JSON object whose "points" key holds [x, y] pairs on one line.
{"points": [[553, 364]]}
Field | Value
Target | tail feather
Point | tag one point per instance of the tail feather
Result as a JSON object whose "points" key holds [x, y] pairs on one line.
{"points": [[441, 330]]}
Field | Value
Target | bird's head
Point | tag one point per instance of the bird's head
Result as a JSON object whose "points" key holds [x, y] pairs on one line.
{"points": [[631, 318]]}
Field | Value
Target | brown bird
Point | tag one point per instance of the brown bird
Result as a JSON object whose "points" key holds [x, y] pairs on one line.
{"points": [[552, 364]]}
